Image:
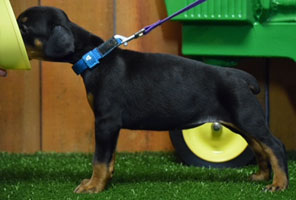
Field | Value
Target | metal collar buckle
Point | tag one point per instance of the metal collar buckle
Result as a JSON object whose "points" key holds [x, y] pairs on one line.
{"points": [[125, 40]]}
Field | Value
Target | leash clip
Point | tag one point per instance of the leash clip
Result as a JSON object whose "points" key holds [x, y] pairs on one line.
{"points": [[125, 40]]}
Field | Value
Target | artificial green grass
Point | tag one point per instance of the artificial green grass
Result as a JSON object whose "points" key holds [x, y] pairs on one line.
{"points": [[137, 176]]}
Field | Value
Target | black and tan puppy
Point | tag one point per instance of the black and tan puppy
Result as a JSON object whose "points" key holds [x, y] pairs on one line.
{"points": [[148, 91]]}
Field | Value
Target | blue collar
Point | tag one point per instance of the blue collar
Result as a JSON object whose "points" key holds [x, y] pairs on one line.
{"points": [[93, 57]]}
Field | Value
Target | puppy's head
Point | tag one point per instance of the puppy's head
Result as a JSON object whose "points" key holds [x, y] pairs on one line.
{"points": [[47, 33]]}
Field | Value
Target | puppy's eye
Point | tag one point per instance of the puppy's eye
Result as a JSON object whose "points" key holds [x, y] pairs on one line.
{"points": [[24, 19]]}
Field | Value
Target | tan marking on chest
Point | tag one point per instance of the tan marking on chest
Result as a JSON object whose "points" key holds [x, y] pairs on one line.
{"points": [[90, 98], [38, 43]]}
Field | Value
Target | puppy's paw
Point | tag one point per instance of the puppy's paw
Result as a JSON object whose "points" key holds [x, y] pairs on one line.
{"points": [[89, 186], [276, 187], [260, 176]]}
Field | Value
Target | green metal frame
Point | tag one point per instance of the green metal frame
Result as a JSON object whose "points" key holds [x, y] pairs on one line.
{"points": [[251, 28], [214, 10]]}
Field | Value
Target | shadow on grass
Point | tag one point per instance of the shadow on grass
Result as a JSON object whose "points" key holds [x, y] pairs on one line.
{"points": [[122, 175], [128, 169], [206, 176]]}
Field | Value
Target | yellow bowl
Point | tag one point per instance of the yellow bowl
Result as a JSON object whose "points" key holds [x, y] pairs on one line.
{"points": [[214, 145], [13, 54]]}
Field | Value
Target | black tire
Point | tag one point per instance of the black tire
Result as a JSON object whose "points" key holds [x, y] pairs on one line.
{"points": [[189, 158]]}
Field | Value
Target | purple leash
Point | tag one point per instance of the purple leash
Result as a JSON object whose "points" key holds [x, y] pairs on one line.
{"points": [[93, 57], [149, 28], [153, 26]]}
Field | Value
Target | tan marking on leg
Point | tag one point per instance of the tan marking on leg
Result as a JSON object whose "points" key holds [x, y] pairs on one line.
{"points": [[230, 125], [98, 180], [280, 179], [261, 156], [262, 160], [111, 165], [90, 98]]}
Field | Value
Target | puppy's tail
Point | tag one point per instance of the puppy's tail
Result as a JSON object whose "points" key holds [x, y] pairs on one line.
{"points": [[251, 81]]}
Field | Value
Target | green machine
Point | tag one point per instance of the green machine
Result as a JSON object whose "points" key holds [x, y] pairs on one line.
{"points": [[252, 28], [230, 28]]}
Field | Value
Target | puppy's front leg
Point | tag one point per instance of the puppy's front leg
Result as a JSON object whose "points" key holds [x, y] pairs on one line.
{"points": [[103, 162]]}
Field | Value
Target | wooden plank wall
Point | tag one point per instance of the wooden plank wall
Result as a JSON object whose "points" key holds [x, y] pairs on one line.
{"points": [[283, 101], [66, 115], [20, 103], [46, 108]]}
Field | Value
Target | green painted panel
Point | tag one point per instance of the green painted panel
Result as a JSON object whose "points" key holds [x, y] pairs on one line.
{"points": [[261, 28], [258, 40], [213, 10]]}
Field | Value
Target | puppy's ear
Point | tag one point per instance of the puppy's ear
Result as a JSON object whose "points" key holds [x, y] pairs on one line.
{"points": [[60, 43]]}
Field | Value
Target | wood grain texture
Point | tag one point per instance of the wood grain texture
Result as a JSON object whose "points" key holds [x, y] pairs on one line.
{"points": [[20, 103], [68, 122], [133, 15], [282, 95], [283, 101]]}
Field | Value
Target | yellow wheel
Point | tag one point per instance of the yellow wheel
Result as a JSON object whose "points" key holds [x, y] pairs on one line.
{"points": [[212, 145]]}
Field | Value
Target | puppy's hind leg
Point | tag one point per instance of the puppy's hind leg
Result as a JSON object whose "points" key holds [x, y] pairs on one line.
{"points": [[251, 121], [264, 172], [106, 135]]}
